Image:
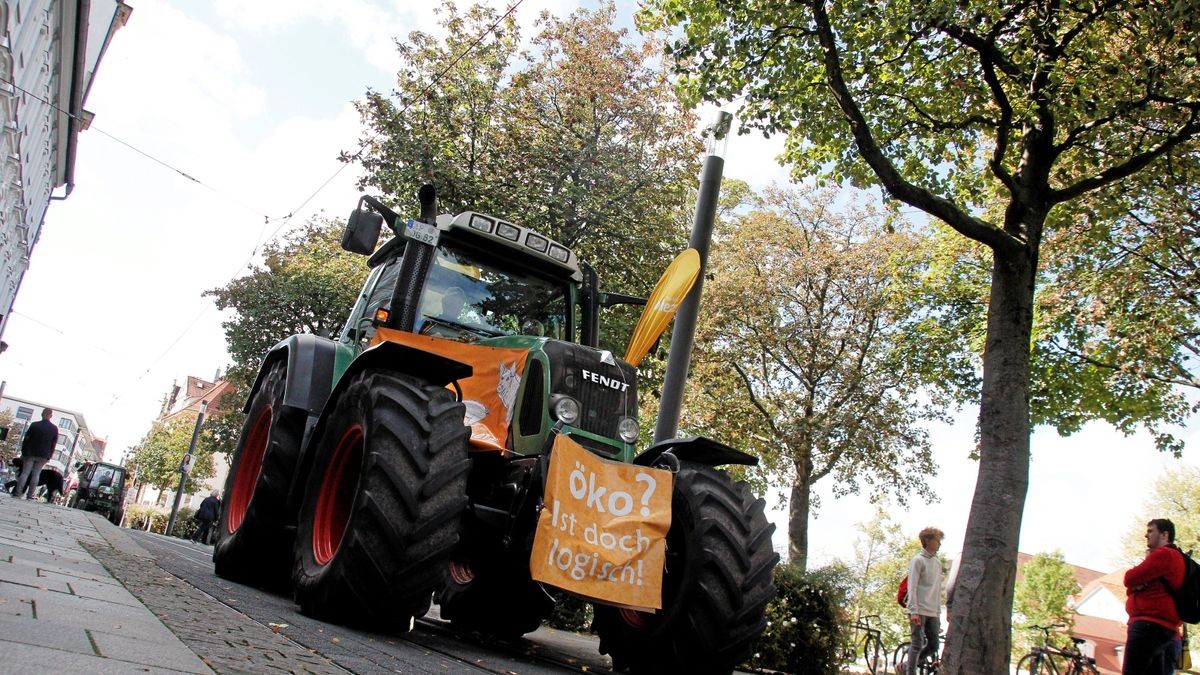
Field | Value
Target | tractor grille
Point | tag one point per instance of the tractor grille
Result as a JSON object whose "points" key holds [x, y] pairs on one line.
{"points": [[599, 387]]}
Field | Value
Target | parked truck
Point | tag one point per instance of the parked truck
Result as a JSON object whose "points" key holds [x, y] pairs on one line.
{"points": [[407, 458]]}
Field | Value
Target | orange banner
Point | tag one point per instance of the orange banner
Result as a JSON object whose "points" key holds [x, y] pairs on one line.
{"points": [[489, 393], [603, 532]]}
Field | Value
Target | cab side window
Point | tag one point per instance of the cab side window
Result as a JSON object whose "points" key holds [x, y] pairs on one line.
{"points": [[377, 292], [381, 295]]}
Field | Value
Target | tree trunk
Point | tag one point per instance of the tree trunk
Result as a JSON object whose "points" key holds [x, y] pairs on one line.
{"points": [[980, 618], [798, 509]]}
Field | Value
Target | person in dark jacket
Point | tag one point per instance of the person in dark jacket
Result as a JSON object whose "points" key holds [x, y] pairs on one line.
{"points": [[36, 449], [1153, 620], [209, 510]]}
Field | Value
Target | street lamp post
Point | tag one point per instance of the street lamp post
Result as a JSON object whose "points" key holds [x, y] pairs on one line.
{"points": [[186, 466], [684, 333]]}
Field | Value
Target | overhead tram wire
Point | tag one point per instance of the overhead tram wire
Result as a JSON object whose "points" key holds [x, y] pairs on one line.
{"points": [[147, 155], [287, 218]]}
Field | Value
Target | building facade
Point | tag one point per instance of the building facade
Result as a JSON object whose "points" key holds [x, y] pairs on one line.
{"points": [[184, 403], [49, 52], [76, 443]]}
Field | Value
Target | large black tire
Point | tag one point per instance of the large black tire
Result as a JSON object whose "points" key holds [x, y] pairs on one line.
{"points": [[383, 507], [716, 583], [499, 600], [253, 536]]}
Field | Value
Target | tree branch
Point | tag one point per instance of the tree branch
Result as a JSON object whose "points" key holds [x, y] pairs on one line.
{"points": [[891, 179], [1132, 165]]}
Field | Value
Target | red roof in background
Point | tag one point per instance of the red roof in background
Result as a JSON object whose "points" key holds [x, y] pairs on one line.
{"points": [[202, 390], [197, 390], [1083, 575], [1113, 582], [1105, 636]]}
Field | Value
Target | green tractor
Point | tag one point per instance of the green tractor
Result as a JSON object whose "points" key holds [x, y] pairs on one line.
{"points": [[407, 459]]}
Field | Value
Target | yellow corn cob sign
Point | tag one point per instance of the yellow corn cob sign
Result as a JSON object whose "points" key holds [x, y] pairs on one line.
{"points": [[674, 284]]}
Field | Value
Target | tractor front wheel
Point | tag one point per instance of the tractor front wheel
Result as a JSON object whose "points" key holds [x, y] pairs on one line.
{"points": [[384, 503], [253, 543], [717, 581]]}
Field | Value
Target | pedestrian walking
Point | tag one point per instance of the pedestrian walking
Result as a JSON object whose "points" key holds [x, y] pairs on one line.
{"points": [[1153, 620], [209, 510], [36, 449], [924, 598]]}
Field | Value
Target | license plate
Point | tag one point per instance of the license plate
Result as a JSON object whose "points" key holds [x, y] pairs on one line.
{"points": [[422, 232]]}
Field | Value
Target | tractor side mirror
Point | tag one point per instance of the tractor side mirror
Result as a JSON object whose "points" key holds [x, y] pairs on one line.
{"points": [[362, 232]]}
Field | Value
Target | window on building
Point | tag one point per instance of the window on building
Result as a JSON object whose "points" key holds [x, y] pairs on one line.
{"points": [[24, 413], [66, 424], [63, 439]]}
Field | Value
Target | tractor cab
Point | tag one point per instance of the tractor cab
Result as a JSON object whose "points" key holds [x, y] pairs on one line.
{"points": [[476, 285], [478, 280]]}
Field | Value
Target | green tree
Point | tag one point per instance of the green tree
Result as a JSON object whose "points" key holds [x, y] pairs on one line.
{"points": [[10, 446], [881, 555], [1039, 110], [1176, 496], [803, 355], [305, 284], [581, 137], [156, 461], [1047, 582]]}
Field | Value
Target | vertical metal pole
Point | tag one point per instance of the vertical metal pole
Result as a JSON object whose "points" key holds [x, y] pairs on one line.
{"points": [[683, 334], [186, 463]]}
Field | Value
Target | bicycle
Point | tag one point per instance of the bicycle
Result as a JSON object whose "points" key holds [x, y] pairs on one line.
{"points": [[872, 644], [928, 665], [1041, 660]]}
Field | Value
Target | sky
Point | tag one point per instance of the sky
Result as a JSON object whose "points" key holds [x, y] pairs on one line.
{"points": [[216, 121]]}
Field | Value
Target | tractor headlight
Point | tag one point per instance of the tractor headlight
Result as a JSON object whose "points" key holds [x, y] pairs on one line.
{"points": [[565, 409], [628, 429]]}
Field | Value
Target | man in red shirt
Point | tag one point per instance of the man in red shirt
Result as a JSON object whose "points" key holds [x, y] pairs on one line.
{"points": [[1153, 621]]}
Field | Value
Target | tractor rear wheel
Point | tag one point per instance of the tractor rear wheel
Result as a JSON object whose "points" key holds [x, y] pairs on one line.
{"points": [[717, 581], [253, 540], [384, 503], [499, 600]]}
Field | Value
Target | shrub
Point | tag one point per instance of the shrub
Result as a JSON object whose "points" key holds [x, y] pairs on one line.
{"points": [[570, 613], [805, 627], [154, 519]]}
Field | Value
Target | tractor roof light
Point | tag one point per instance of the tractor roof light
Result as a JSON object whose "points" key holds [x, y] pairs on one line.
{"points": [[508, 231], [536, 242], [559, 253], [481, 223]]}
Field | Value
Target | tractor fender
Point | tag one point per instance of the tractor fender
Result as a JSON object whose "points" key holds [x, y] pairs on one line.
{"points": [[309, 372], [430, 366], [697, 449]]}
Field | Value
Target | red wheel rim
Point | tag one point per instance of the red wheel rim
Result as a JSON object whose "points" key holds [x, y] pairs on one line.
{"points": [[248, 469], [461, 573], [336, 497], [636, 620]]}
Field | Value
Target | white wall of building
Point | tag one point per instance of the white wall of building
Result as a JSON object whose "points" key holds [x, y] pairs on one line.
{"points": [[41, 88]]}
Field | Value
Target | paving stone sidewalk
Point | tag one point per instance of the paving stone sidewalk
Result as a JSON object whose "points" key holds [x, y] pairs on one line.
{"points": [[78, 595]]}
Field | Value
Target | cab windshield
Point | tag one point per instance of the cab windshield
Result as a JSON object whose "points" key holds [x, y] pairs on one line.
{"points": [[468, 299]]}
